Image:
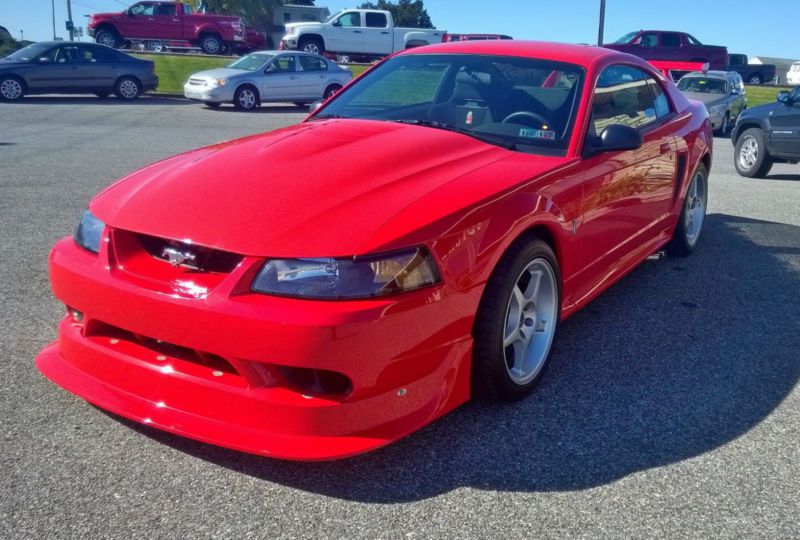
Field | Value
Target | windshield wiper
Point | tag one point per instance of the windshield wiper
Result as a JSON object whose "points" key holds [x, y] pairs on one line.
{"points": [[328, 116], [497, 141]]}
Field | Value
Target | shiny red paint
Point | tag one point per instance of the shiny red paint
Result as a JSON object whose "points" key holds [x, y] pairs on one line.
{"points": [[342, 188]]}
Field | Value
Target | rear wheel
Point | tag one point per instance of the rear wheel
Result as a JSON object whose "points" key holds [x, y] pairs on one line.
{"points": [[128, 88], [11, 88], [245, 98], [755, 78], [516, 322], [331, 90], [693, 214], [109, 38], [750, 156], [211, 44]]}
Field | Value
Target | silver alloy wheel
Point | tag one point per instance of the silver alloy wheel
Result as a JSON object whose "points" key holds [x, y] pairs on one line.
{"points": [[211, 45], [530, 321], [748, 153], [128, 89], [247, 98], [695, 211], [10, 89], [155, 46], [311, 47], [107, 39]]}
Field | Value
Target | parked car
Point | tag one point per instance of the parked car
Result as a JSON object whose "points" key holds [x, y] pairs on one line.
{"points": [[793, 77], [677, 46], [752, 73], [722, 92], [768, 134], [330, 287], [357, 31], [268, 76], [156, 23], [58, 67], [474, 37]]}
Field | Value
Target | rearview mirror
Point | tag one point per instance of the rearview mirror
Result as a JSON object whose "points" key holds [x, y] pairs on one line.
{"points": [[784, 97], [617, 137]]}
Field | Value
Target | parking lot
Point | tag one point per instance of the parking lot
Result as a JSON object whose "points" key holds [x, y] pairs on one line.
{"points": [[670, 409]]}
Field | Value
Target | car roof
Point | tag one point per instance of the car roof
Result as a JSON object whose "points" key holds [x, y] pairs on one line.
{"points": [[714, 74], [286, 51], [560, 52]]}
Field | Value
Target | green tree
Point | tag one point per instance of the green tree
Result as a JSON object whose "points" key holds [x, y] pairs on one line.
{"points": [[408, 13]]}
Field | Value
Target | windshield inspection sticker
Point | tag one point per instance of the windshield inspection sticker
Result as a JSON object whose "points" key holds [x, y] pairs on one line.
{"points": [[537, 134]]}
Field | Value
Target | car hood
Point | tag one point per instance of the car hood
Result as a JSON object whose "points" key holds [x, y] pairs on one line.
{"points": [[219, 73], [316, 189], [706, 99], [293, 26]]}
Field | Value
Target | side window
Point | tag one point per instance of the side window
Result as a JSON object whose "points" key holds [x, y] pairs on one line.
{"points": [[622, 96], [660, 101], [283, 64], [351, 18], [310, 63], [66, 54], [93, 55], [167, 10], [670, 39], [649, 39], [142, 9], [376, 20]]}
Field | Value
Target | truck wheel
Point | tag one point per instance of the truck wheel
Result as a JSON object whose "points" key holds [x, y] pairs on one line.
{"points": [[755, 78], [127, 88], [11, 88], [751, 157], [246, 98], [154, 46], [109, 38], [311, 45], [211, 44]]}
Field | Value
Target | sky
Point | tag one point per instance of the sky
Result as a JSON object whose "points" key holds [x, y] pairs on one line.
{"points": [[732, 23]]}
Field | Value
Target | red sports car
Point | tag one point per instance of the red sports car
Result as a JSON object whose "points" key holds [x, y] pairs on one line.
{"points": [[328, 288]]}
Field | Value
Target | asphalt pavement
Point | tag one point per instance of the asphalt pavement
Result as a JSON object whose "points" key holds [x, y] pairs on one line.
{"points": [[671, 408]]}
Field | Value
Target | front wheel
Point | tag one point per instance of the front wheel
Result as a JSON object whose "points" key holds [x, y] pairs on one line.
{"points": [[693, 215], [109, 38], [211, 44], [750, 156], [128, 88], [11, 88], [311, 45], [516, 322], [245, 98]]}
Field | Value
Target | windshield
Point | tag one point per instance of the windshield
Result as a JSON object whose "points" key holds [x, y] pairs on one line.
{"points": [[627, 38], [29, 53], [251, 62], [525, 103], [703, 85]]}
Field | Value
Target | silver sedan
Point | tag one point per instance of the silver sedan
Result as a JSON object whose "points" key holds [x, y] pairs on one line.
{"points": [[722, 93], [268, 76]]}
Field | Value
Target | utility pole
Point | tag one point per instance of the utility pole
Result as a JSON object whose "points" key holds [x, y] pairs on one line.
{"points": [[53, 8], [602, 22], [69, 21]]}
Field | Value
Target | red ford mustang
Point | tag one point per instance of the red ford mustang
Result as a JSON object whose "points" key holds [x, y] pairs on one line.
{"points": [[325, 289]]}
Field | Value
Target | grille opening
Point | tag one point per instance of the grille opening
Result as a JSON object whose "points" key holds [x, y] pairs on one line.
{"points": [[198, 257], [161, 348], [317, 382]]}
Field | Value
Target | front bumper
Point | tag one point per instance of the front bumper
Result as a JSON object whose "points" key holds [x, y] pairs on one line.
{"points": [[407, 358], [219, 94]]}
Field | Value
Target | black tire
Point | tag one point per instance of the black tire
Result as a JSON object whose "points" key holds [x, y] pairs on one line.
{"points": [[311, 44], [763, 161], [331, 90], [128, 88], [241, 98], [109, 38], [211, 44], [490, 376], [725, 126], [682, 244], [12, 88], [755, 78]]}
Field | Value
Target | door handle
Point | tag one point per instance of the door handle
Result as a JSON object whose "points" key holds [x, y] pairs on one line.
{"points": [[356, 31], [384, 32], [665, 148]]}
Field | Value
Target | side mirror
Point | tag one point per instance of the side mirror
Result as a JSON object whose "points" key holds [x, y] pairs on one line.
{"points": [[272, 68], [784, 97], [617, 137], [336, 23], [314, 106]]}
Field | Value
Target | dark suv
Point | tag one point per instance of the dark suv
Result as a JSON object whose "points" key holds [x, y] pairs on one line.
{"points": [[768, 134]]}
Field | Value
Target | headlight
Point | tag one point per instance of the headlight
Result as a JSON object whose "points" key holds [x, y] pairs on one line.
{"points": [[90, 232], [358, 277], [217, 82]]}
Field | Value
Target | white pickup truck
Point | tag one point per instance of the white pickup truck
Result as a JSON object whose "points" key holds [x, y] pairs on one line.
{"points": [[367, 32]]}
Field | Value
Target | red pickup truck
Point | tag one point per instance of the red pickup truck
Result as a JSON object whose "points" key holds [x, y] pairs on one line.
{"points": [[670, 46], [158, 23]]}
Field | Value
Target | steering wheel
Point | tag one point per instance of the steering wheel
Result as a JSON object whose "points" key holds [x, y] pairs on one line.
{"points": [[530, 115]]}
